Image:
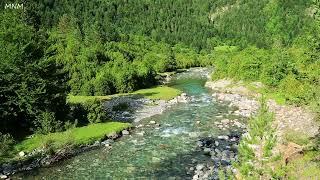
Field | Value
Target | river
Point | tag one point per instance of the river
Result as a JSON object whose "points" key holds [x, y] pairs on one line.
{"points": [[149, 152]]}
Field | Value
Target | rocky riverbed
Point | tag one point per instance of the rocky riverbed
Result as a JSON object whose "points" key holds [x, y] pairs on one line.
{"points": [[222, 151], [287, 118], [298, 120]]}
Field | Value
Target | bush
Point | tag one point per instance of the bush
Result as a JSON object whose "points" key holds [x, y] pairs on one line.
{"points": [[95, 111], [46, 123], [90, 111], [104, 84], [6, 144], [294, 90], [70, 125]]}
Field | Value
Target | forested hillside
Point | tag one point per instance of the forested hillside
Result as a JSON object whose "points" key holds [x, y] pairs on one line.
{"points": [[200, 24], [54, 48]]}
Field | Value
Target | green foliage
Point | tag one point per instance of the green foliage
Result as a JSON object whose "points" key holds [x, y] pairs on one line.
{"points": [[96, 113], [298, 138], [6, 144], [46, 123], [260, 139], [88, 110], [30, 83], [305, 167], [286, 71], [69, 125]]}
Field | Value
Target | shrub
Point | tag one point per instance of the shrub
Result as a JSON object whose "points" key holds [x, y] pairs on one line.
{"points": [[46, 123], [70, 125], [95, 111], [6, 144], [294, 90], [104, 85]]}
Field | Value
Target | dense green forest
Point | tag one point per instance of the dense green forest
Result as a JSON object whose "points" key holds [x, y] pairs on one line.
{"points": [[54, 48]]}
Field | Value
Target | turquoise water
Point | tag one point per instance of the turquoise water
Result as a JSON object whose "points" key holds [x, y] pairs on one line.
{"points": [[165, 152]]}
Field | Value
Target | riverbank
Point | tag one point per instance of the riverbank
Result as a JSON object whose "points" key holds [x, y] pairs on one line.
{"points": [[44, 150], [291, 129], [299, 120]]}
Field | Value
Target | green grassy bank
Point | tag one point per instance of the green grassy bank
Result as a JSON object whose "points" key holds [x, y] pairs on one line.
{"points": [[159, 92], [73, 138]]}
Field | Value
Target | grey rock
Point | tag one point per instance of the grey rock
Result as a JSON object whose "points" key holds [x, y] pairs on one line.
{"points": [[108, 141], [113, 136], [141, 133], [216, 143], [140, 125], [225, 121], [199, 167], [22, 154], [206, 151], [223, 137], [3, 176], [199, 143], [107, 145], [195, 177], [217, 151], [152, 122], [125, 132], [96, 143]]}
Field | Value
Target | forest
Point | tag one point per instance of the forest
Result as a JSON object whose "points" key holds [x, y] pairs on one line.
{"points": [[52, 49]]}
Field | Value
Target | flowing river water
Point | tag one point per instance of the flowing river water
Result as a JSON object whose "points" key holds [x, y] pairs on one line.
{"points": [[165, 152]]}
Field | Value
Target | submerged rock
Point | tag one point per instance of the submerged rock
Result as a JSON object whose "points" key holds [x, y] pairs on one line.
{"points": [[141, 133], [225, 121], [193, 134], [223, 137], [199, 167], [216, 143], [152, 122], [207, 151], [155, 159]]}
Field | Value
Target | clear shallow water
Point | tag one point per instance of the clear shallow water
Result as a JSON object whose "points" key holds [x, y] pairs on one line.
{"points": [[166, 152]]}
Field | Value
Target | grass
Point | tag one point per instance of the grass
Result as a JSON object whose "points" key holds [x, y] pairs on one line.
{"points": [[159, 92], [298, 138], [76, 136], [260, 134], [306, 167], [268, 92]]}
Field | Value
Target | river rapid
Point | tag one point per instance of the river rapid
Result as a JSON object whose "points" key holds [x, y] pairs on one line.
{"points": [[169, 150]]}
